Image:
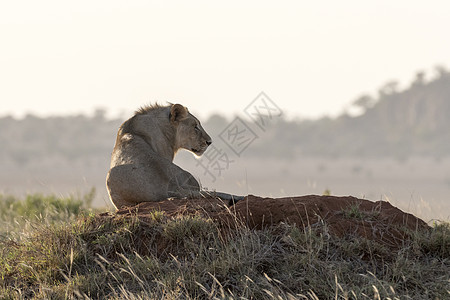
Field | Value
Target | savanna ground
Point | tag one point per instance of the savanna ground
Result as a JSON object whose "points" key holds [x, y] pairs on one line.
{"points": [[60, 248]]}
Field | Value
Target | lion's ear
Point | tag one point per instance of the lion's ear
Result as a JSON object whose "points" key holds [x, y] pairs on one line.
{"points": [[178, 112]]}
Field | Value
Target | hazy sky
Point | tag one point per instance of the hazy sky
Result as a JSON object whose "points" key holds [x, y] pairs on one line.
{"points": [[311, 57]]}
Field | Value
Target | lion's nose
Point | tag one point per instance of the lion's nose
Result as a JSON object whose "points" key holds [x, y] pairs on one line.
{"points": [[208, 143]]}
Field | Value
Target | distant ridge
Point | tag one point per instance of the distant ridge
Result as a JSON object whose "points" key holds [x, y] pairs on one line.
{"points": [[399, 124]]}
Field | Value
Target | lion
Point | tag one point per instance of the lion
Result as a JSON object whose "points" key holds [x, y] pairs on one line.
{"points": [[142, 168]]}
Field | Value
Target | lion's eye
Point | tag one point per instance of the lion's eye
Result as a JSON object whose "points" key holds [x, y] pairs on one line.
{"points": [[196, 127]]}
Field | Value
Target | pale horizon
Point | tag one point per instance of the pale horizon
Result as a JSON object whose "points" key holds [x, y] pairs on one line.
{"points": [[312, 59]]}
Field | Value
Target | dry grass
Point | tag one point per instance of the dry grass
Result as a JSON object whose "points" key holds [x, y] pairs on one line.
{"points": [[101, 257]]}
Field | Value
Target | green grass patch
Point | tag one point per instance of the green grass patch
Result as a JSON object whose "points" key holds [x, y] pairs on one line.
{"points": [[354, 212], [18, 216]]}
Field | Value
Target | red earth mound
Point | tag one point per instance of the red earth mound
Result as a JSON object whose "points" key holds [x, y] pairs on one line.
{"points": [[339, 216]]}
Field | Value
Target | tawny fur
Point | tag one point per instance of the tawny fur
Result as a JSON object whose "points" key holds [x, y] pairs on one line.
{"points": [[141, 163]]}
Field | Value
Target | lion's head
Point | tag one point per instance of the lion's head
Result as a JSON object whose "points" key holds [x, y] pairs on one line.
{"points": [[190, 134]]}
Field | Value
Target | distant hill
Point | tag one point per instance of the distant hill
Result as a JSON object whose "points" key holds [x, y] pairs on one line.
{"points": [[72, 138], [414, 121]]}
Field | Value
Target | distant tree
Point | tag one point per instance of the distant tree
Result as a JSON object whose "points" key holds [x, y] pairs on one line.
{"points": [[364, 102], [441, 71], [216, 123], [391, 87], [419, 79], [99, 114]]}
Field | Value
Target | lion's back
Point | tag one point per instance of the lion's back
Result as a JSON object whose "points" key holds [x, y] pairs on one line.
{"points": [[137, 174], [140, 168]]}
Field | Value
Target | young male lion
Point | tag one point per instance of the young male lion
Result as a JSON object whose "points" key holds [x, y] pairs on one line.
{"points": [[141, 163]]}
